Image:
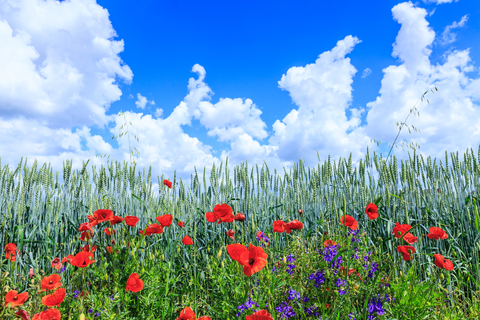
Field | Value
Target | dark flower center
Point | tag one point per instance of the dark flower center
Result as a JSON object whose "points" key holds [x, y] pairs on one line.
{"points": [[251, 261], [51, 281], [15, 298]]}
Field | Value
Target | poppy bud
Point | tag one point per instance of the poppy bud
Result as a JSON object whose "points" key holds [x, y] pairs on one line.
{"points": [[442, 276], [106, 277], [223, 265], [152, 256], [208, 249], [284, 259], [300, 211], [219, 253], [131, 253], [82, 317], [178, 250], [163, 257]]}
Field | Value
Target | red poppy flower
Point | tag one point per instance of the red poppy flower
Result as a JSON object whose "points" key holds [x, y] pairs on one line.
{"points": [[409, 238], [86, 235], [295, 225], [85, 226], [187, 314], [372, 211], [82, 259], [400, 229], [204, 318], [230, 233], [443, 263], [57, 264], [93, 222], [11, 250], [349, 222], [109, 231], [102, 215], [165, 220], [87, 248], [300, 211], [350, 271], [253, 259], [131, 221], [109, 249], [260, 315], [328, 306], [280, 226], [187, 241], [437, 233], [51, 282], [152, 229], [327, 243], [134, 283], [115, 220], [22, 314], [68, 258], [181, 224], [407, 252], [167, 183], [55, 298], [239, 217], [49, 314], [222, 213], [15, 299]]}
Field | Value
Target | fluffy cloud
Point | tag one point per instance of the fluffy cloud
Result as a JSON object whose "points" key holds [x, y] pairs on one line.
{"points": [[58, 87], [447, 35], [366, 72], [142, 101]]}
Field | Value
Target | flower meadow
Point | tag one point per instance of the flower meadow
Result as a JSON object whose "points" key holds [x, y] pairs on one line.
{"points": [[226, 253], [338, 275]]}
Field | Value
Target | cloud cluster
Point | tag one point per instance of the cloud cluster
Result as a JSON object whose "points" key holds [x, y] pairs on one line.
{"points": [[59, 64]]}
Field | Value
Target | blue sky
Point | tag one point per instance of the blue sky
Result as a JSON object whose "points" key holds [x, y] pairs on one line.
{"points": [[271, 81]]}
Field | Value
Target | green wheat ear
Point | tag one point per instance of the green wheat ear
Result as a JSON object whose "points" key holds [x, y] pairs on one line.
{"points": [[121, 134]]}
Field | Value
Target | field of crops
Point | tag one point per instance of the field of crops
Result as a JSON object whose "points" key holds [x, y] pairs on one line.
{"points": [[263, 246]]}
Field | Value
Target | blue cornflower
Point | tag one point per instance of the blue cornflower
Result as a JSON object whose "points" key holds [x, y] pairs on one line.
{"points": [[372, 271], [285, 310], [293, 295], [375, 306], [319, 278], [340, 283]]}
